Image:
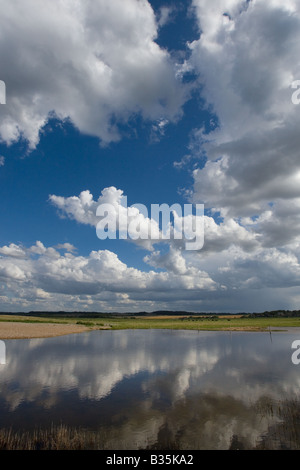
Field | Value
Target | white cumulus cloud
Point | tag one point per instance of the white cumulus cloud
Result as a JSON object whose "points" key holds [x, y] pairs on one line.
{"points": [[94, 62], [247, 59]]}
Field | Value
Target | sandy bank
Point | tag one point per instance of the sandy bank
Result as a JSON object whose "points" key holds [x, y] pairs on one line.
{"points": [[19, 330]]}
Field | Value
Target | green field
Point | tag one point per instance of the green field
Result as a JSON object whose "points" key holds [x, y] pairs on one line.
{"points": [[166, 322]]}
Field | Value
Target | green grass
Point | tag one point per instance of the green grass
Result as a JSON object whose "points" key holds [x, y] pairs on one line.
{"points": [[212, 323], [26, 319], [204, 324]]}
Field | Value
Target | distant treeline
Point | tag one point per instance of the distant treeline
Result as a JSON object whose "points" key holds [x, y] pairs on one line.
{"points": [[103, 314], [63, 314], [277, 314]]}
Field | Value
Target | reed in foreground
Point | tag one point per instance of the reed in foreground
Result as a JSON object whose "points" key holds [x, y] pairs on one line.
{"points": [[56, 438]]}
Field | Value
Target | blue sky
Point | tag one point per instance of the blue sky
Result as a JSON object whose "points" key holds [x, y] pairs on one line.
{"points": [[162, 102]]}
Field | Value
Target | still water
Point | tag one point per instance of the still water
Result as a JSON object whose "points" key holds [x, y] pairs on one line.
{"points": [[147, 388]]}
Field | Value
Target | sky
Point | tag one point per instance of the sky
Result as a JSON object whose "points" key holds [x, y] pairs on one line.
{"points": [[191, 102]]}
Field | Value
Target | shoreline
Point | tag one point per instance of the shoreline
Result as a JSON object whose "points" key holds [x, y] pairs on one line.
{"points": [[22, 330], [32, 327]]}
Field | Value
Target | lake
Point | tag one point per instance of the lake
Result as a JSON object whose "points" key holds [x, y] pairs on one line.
{"points": [[157, 388]]}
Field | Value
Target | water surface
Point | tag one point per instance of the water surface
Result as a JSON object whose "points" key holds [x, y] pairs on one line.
{"points": [[157, 388]]}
